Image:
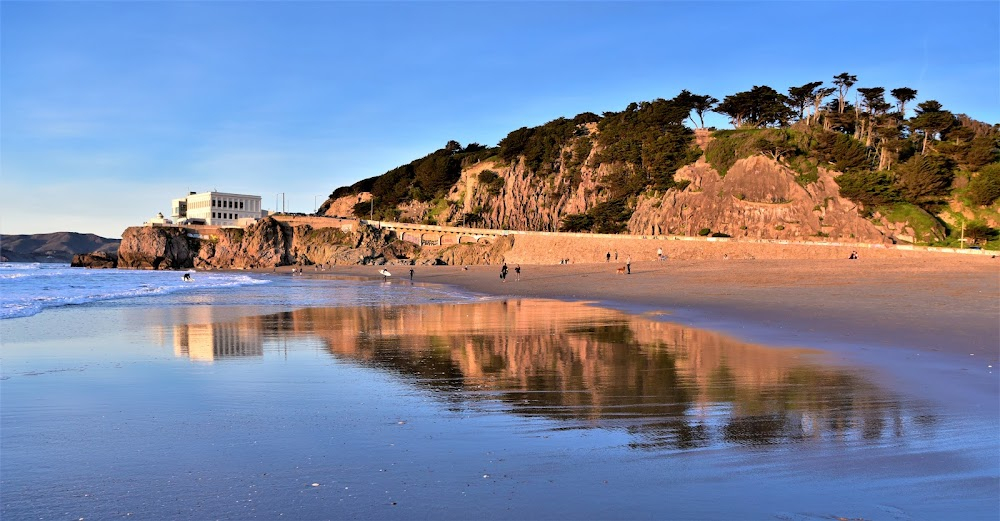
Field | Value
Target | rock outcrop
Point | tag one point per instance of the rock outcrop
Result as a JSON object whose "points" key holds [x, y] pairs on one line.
{"points": [[94, 260], [270, 243], [156, 248], [759, 199]]}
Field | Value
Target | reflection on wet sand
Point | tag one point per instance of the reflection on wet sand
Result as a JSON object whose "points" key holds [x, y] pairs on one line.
{"points": [[672, 386], [206, 340]]}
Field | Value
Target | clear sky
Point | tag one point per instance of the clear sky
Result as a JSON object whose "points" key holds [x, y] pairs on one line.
{"points": [[110, 110]]}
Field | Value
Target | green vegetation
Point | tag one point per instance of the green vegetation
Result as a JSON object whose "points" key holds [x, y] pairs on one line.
{"points": [[926, 228], [491, 182], [607, 217], [425, 179], [984, 189], [651, 138]]}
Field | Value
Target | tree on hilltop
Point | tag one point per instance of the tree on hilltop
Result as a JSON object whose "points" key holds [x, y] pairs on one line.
{"points": [[903, 95], [759, 107], [818, 96], [799, 97], [843, 81], [700, 104]]}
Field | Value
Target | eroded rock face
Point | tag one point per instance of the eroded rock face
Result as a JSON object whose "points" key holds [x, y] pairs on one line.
{"points": [[758, 199], [260, 245], [266, 244], [150, 248], [94, 260]]}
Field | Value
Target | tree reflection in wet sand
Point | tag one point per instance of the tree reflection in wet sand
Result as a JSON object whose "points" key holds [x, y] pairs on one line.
{"points": [[670, 386]]}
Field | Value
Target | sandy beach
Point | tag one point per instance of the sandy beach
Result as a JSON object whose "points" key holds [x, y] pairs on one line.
{"points": [[873, 311], [937, 303], [688, 389]]}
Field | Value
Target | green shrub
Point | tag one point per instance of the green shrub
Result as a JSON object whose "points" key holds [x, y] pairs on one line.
{"points": [[704, 232], [984, 188], [869, 188], [577, 222], [491, 182]]}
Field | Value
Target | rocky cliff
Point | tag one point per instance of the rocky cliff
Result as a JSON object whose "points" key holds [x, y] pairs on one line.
{"points": [[270, 243], [757, 198]]}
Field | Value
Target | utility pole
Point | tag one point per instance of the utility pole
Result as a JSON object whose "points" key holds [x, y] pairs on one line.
{"points": [[371, 212], [962, 240]]}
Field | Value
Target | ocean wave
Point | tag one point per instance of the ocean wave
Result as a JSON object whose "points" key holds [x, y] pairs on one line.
{"points": [[33, 296]]}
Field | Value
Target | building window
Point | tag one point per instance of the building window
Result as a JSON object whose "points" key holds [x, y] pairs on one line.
{"points": [[241, 205]]}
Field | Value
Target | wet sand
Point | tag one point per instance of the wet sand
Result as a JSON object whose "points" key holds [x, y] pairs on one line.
{"points": [[511, 408], [884, 312], [938, 303]]}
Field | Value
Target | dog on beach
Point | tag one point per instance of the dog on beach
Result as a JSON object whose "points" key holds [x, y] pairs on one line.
{"points": [[621, 271]]}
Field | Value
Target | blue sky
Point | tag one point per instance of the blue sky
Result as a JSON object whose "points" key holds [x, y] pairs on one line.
{"points": [[109, 110]]}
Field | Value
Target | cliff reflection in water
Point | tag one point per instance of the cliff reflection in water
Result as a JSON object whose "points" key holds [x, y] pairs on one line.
{"points": [[672, 386]]}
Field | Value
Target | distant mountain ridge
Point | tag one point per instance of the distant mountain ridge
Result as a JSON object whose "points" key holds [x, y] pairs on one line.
{"points": [[53, 247]]}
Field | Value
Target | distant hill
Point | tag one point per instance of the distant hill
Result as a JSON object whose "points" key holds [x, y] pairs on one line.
{"points": [[53, 247]]}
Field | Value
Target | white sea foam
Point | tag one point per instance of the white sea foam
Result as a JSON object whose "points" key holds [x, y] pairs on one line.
{"points": [[27, 289]]}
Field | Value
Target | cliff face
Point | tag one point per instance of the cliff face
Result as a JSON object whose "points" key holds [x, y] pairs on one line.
{"points": [[156, 248], [266, 244], [759, 199]]}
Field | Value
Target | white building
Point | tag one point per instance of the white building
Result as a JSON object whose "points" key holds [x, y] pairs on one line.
{"points": [[217, 208], [158, 220]]}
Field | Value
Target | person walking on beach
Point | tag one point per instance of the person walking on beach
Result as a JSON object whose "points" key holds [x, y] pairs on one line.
{"points": [[517, 272], [411, 274], [607, 258], [659, 254], [503, 273], [628, 265]]}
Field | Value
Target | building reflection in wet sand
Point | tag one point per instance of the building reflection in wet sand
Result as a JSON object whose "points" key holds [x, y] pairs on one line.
{"points": [[673, 387], [206, 340]]}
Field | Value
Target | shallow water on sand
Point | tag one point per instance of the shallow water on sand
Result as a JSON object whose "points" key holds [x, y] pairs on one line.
{"points": [[502, 409]]}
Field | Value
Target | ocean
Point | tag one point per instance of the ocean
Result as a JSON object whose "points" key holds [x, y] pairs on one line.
{"points": [[136, 395], [31, 288]]}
